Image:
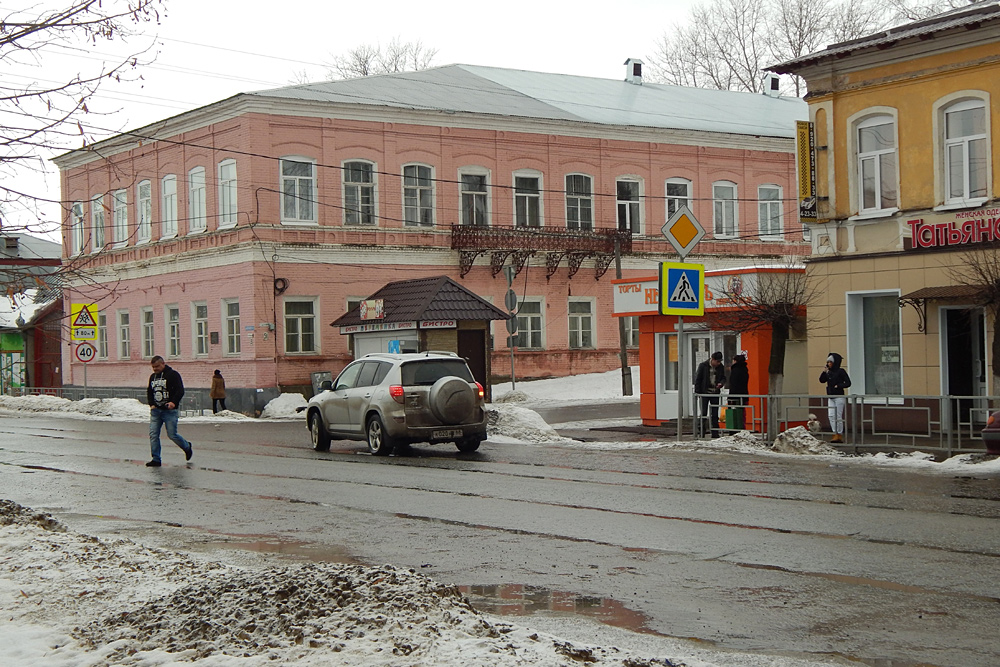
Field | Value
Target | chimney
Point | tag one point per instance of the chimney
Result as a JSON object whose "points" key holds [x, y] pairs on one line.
{"points": [[772, 84], [633, 71]]}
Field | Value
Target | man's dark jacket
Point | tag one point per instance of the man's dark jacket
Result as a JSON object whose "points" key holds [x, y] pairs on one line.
{"points": [[165, 387], [706, 378]]}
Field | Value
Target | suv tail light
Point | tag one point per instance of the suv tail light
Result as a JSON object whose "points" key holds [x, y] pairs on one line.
{"points": [[396, 391], [482, 393]]}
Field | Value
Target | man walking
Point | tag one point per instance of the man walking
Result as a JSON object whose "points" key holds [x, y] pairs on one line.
{"points": [[164, 393], [709, 379]]}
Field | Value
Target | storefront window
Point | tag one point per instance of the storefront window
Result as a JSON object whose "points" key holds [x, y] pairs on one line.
{"points": [[881, 338], [669, 359]]}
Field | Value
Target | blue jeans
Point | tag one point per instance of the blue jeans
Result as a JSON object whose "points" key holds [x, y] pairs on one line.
{"points": [[159, 417]]}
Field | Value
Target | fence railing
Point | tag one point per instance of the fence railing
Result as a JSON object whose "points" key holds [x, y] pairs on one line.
{"points": [[945, 424]]}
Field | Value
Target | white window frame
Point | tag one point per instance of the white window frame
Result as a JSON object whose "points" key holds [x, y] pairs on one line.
{"points": [[297, 191], [143, 211], [168, 206], [231, 328], [97, 222], [361, 214], [148, 322], [723, 208], [961, 101], [581, 324], [527, 198], [228, 194], [197, 203], [770, 210], [199, 329], [172, 329], [414, 211], [299, 319], [124, 334], [76, 218], [634, 208], [631, 331], [675, 201], [869, 118], [102, 335], [475, 195], [120, 223], [576, 200], [531, 324], [856, 339]]}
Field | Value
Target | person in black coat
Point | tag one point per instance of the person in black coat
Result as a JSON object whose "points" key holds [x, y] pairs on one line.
{"points": [[164, 393], [709, 379], [837, 380], [739, 387]]}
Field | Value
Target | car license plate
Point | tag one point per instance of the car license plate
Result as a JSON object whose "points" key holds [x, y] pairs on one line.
{"points": [[447, 433]]}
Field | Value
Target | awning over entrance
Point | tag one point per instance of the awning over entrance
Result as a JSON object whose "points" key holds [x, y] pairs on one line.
{"points": [[919, 298]]}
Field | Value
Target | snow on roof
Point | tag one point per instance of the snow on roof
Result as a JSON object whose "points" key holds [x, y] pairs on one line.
{"points": [[538, 95], [25, 306]]}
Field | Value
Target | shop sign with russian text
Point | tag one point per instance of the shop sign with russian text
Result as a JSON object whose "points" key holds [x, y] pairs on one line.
{"points": [[961, 228]]}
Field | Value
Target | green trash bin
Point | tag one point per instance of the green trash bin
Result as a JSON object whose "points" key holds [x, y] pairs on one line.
{"points": [[731, 416]]}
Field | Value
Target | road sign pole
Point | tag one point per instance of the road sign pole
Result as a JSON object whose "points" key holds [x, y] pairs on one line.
{"points": [[680, 372], [85, 380]]}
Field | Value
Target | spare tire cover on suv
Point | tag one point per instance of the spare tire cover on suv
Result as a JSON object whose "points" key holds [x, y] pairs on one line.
{"points": [[452, 399]]}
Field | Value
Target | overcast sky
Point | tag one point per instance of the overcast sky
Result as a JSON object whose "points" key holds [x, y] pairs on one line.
{"points": [[205, 51]]}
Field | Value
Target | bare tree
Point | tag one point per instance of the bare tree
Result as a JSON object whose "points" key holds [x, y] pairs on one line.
{"points": [[980, 268], [41, 116], [369, 59]]}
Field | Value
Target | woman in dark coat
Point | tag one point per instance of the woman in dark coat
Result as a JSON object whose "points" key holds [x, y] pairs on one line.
{"points": [[739, 387]]}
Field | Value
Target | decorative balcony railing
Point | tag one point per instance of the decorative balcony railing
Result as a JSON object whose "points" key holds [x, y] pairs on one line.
{"points": [[520, 243]]}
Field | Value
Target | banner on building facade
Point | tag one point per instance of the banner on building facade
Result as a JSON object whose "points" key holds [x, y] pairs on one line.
{"points": [[805, 155]]}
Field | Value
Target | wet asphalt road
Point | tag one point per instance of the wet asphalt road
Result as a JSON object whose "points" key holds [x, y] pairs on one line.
{"points": [[753, 553]]}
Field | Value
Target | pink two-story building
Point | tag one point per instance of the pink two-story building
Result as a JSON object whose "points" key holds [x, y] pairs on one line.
{"points": [[229, 237]]}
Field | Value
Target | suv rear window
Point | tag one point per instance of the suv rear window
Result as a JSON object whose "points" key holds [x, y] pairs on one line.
{"points": [[430, 371]]}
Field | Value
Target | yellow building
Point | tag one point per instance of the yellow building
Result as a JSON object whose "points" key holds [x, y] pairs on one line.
{"points": [[906, 206]]}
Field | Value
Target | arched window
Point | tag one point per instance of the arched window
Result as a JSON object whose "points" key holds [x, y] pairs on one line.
{"points": [[579, 202], [877, 172], [966, 152], [359, 193], [298, 190]]}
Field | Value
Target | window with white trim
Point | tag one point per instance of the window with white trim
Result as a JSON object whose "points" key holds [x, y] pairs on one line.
{"points": [[300, 326], [874, 343], [76, 229], [527, 200], [473, 187], [96, 223], [359, 193], [581, 324], [678, 191], [197, 209], [966, 152], [629, 210], [124, 335], [168, 206], [530, 325], [144, 212], [102, 336], [173, 316], [579, 202], [769, 212], [120, 229], [200, 329], [148, 333], [228, 202], [231, 325], [876, 149], [724, 216], [418, 195], [298, 190], [631, 331]]}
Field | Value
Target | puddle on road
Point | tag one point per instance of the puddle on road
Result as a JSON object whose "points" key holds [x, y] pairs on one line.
{"points": [[521, 600], [319, 553]]}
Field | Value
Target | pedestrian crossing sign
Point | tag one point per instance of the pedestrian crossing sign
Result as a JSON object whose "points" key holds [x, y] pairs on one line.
{"points": [[682, 288]]}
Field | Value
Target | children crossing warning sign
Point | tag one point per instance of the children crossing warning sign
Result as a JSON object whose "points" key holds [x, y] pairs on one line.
{"points": [[682, 288], [83, 321]]}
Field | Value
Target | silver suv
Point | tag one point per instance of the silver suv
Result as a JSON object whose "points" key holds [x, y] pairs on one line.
{"points": [[396, 399]]}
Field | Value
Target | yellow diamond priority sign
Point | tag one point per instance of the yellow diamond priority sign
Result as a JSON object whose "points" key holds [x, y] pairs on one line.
{"points": [[683, 231]]}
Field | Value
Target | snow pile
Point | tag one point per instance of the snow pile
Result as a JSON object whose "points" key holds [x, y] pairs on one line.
{"points": [[798, 440], [71, 599], [127, 409], [519, 424], [569, 390], [283, 407]]}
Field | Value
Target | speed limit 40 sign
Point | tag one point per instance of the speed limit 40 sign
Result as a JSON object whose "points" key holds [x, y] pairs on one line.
{"points": [[85, 352]]}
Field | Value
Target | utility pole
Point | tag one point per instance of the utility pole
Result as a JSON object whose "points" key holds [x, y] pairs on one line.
{"points": [[622, 351]]}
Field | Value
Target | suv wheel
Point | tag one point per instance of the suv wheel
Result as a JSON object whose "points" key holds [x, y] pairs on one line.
{"points": [[320, 438], [379, 442], [452, 400], [468, 445]]}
